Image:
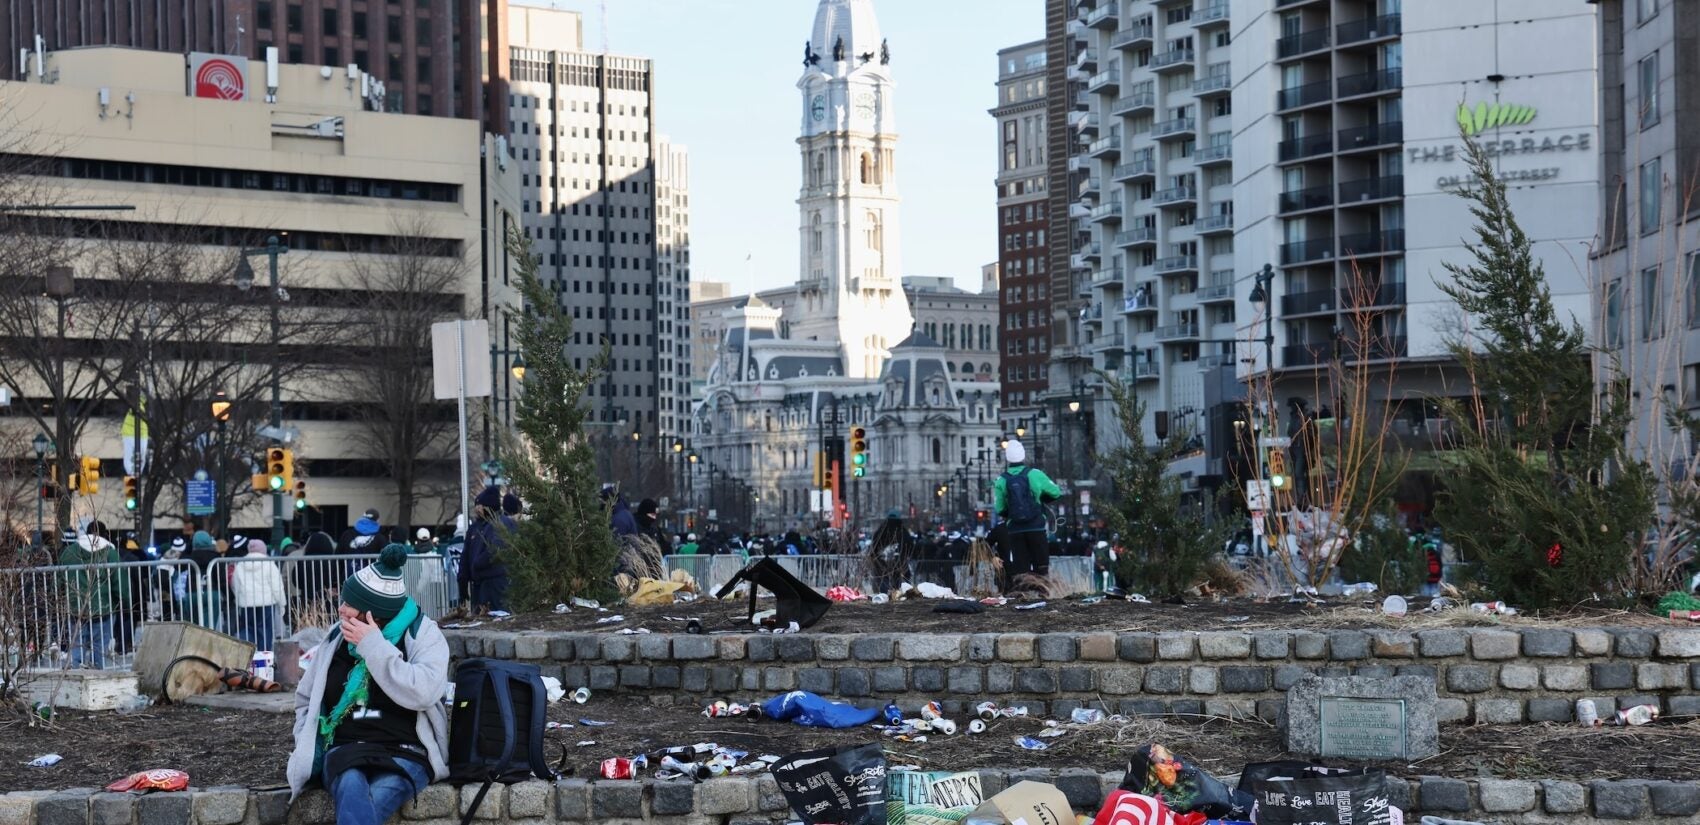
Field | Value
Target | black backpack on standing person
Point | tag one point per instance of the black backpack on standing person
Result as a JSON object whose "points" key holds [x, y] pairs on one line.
{"points": [[496, 732]]}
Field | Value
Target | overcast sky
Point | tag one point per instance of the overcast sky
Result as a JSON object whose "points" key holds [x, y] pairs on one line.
{"points": [[726, 74]]}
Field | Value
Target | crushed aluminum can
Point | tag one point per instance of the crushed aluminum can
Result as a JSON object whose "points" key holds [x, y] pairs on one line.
{"points": [[694, 626], [47, 761], [563, 608], [581, 695], [931, 711], [1033, 606], [1638, 715], [1494, 608], [878, 598], [1014, 713], [987, 710], [585, 743], [716, 710], [893, 714], [945, 726], [1086, 716], [1029, 743], [589, 604], [1092, 600], [611, 619], [592, 723], [1587, 714], [976, 727]]}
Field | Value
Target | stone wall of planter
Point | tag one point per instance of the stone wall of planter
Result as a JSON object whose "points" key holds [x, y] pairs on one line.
{"points": [[749, 801], [1482, 675]]}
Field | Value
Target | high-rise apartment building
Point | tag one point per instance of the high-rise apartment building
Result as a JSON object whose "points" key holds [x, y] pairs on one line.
{"points": [[1023, 228], [1156, 213], [435, 57], [591, 160], [1648, 263], [1349, 159], [673, 287]]}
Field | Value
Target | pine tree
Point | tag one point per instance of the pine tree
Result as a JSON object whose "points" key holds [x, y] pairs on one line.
{"points": [[1166, 543], [1542, 494], [566, 547]]}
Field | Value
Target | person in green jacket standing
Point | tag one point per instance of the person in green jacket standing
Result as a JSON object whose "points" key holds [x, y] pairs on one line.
{"points": [[1019, 496], [91, 592]]}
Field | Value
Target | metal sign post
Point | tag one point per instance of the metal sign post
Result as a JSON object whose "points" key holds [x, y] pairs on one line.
{"points": [[454, 376]]}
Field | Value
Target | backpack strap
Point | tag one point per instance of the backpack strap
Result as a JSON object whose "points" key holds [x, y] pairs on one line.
{"points": [[504, 705]]}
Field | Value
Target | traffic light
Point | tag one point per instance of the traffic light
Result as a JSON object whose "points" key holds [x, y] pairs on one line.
{"points": [[1277, 469], [280, 469], [132, 498], [858, 451], [820, 470], [87, 480], [828, 479], [301, 495]]}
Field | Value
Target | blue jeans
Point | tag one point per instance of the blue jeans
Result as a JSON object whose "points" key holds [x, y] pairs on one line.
{"points": [[365, 796], [256, 626], [93, 635]]}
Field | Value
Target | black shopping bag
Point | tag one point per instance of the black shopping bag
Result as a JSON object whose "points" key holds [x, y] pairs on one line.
{"points": [[1298, 793], [1157, 772], [793, 600], [835, 786]]}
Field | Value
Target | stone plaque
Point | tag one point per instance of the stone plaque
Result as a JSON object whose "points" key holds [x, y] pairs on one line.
{"points": [[1363, 718], [1372, 729]]}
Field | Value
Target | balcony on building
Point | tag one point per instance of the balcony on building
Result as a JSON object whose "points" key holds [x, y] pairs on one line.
{"points": [[1369, 296], [1083, 121], [1136, 35], [1176, 265], [1282, 4], [1067, 352], [1174, 128], [1110, 144], [1308, 94], [1178, 332], [1309, 302], [1135, 103], [1143, 299], [1114, 340], [1308, 146], [1146, 370], [1380, 349], [1368, 29], [1220, 290], [1087, 59], [1108, 276], [1303, 252], [1093, 314], [1213, 154], [1134, 170], [1373, 136], [1173, 60], [1078, 209], [1307, 354], [1372, 243], [1380, 81], [1371, 190], [1215, 361], [1215, 223], [1092, 251], [1076, 163], [1295, 45], [1218, 81], [1311, 197], [1091, 187], [1104, 17], [1137, 236], [1111, 211], [1174, 196], [1107, 80], [1210, 14]]}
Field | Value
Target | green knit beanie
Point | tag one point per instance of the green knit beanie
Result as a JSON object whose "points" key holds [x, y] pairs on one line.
{"points": [[378, 587]]}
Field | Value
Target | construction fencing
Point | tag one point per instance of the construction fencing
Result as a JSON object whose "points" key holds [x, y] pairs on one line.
{"points": [[93, 615], [1073, 573]]}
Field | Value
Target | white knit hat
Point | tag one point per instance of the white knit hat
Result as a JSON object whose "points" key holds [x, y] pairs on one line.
{"points": [[1014, 453]]}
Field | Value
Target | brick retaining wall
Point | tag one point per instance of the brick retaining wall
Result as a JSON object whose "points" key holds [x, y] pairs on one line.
{"points": [[749, 801], [1481, 675]]}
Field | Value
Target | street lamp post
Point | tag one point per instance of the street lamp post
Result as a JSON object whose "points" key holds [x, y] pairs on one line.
{"points": [[40, 445], [1263, 292], [220, 414], [244, 281]]}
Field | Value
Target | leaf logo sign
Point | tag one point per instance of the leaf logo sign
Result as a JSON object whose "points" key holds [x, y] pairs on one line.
{"points": [[1491, 115]]}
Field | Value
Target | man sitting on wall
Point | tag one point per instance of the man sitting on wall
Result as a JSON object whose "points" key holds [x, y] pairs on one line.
{"points": [[369, 719]]}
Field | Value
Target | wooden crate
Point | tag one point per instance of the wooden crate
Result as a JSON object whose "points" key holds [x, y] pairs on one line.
{"points": [[81, 689], [165, 641]]}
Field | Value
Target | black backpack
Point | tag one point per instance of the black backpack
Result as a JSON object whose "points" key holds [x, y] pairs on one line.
{"points": [[496, 732], [1022, 504]]}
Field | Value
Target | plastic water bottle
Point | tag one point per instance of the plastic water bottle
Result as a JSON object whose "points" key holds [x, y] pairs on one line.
{"points": [[135, 704]]}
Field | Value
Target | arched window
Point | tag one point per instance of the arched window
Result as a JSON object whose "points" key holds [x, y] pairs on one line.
{"points": [[986, 368], [868, 169], [967, 368], [815, 236], [938, 452], [875, 232]]}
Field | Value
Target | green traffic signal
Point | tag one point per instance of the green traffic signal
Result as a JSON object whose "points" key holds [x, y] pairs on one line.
{"points": [[129, 504], [301, 504], [858, 472], [276, 482], [1277, 481], [859, 459]]}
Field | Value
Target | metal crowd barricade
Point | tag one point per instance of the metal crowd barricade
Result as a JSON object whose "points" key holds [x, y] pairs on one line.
{"points": [[89, 615], [240, 597]]}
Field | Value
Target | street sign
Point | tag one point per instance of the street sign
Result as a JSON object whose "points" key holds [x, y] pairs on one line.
{"points": [[1275, 441], [200, 496], [1257, 494], [460, 370]]}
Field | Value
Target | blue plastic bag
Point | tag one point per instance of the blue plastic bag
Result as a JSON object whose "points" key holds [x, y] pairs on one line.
{"points": [[812, 711]]}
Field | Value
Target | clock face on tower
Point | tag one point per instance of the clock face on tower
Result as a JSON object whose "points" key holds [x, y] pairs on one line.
{"points": [[817, 108], [865, 104]]}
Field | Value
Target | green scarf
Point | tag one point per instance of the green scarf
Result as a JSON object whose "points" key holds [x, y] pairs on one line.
{"points": [[358, 687]]}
